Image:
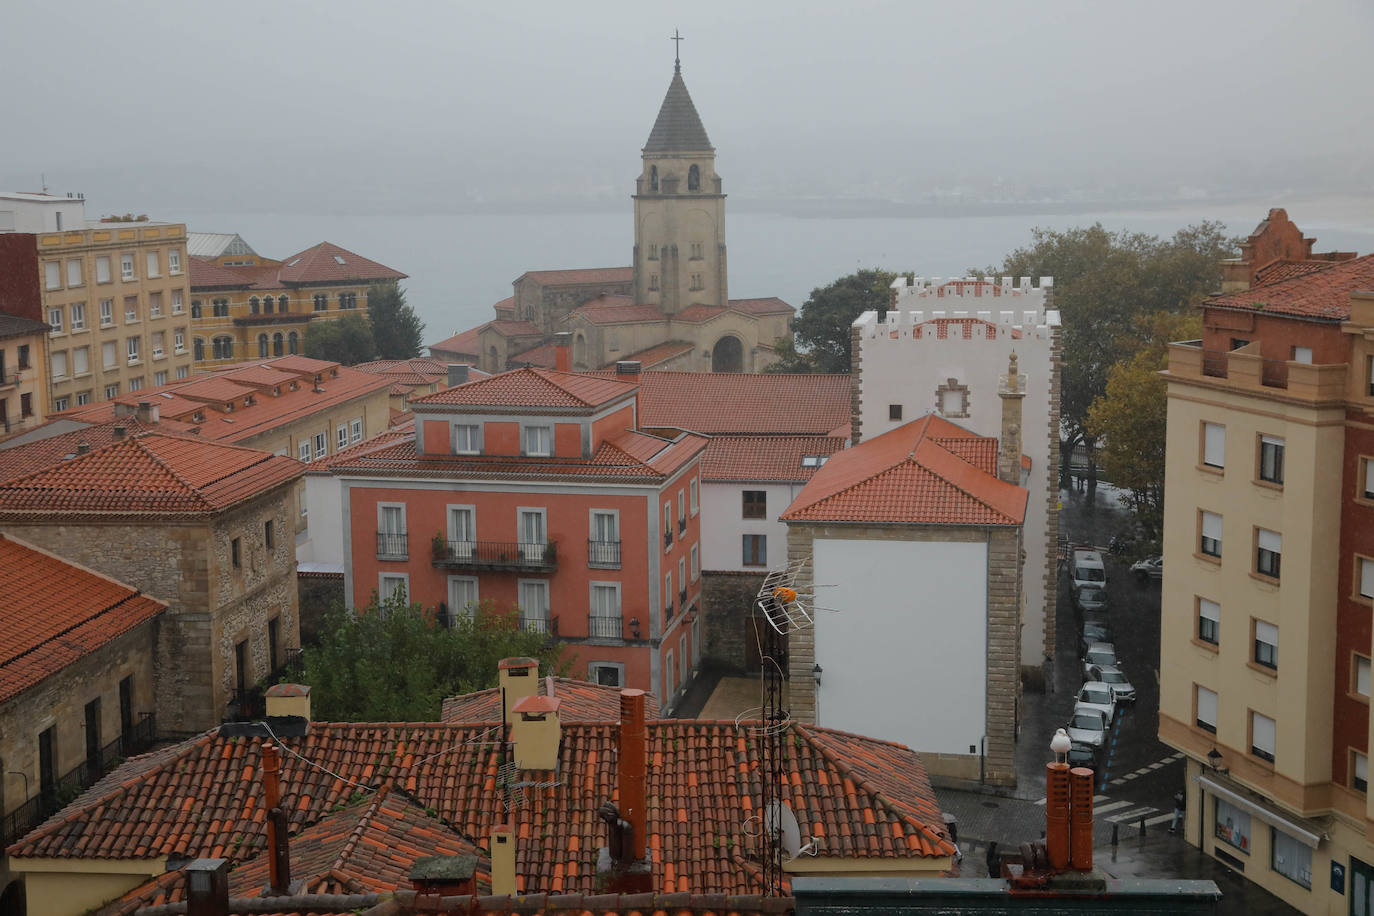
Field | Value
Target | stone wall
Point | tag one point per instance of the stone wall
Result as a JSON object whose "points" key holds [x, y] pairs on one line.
{"points": [[727, 603]]}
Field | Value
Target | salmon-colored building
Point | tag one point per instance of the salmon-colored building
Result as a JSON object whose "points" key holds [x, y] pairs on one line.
{"points": [[537, 489]]}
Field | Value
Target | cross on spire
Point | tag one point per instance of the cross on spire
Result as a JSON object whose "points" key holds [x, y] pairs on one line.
{"points": [[677, 40]]}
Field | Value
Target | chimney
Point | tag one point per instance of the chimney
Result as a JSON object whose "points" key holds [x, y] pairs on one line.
{"points": [[627, 370], [632, 763], [82, 448], [444, 876], [122, 410], [1081, 818], [562, 351], [288, 700], [207, 887], [518, 678], [278, 850], [1057, 814], [119, 432], [146, 412], [1012, 390], [457, 374], [536, 733], [502, 861]]}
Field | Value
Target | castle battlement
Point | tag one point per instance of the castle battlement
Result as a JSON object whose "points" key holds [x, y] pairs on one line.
{"points": [[959, 324]]}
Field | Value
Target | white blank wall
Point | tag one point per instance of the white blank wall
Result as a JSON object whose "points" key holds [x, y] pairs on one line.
{"points": [[905, 656]]}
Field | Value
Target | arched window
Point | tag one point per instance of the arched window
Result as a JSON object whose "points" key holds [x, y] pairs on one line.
{"points": [[283, 304], [223, 347], [694, 179], [262, 345], [195, 308], [199, 347], [293, 343], [267, 305], [653, 177], [277, 344], [253, 305]]}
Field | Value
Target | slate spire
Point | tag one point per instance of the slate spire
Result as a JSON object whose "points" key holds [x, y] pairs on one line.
{"points": [[678, 128]]}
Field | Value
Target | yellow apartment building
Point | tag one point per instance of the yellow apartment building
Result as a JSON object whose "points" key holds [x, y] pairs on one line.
{"points": [[23, 382]]}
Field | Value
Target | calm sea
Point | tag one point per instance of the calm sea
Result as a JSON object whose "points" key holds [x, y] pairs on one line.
{"points": [[459, 265]]}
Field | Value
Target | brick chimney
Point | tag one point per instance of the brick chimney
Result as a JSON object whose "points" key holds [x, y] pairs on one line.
{"points": [[457, 374], [536, 733], [146, 412], [444, 876], [1012, 390], [288, 700], [503, 861], [562, 351], [518, 678]]}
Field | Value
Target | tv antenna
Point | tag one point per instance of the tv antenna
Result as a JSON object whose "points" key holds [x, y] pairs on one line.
{"points": [[788, 597]]}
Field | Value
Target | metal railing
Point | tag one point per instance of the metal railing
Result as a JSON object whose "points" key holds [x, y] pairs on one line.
{"points": [[605, 626], [682, 525], [603, 554], [534, 624], [668, 612], [391, 544], [667, 538], [682, 597], [515, 555]]}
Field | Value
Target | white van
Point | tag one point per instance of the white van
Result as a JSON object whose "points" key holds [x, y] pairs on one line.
{"points": [[1087, 568]]}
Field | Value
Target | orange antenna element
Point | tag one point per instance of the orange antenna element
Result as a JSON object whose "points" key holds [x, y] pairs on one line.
{"points": [[785, 594]]}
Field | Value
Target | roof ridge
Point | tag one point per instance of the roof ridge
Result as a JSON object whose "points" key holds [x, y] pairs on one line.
{"points": [[971, 466], [157, 459], [351, 842]]}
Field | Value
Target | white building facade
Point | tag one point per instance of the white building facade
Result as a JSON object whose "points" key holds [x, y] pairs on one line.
{"points": [[941, 349]]}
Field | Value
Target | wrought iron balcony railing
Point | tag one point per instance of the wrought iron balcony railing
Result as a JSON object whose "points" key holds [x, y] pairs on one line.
{"points": [[603, 554], [509, 555]]}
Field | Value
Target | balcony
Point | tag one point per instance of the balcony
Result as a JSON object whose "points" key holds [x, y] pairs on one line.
{"points": [[392, 546], [605, 626], [667, 539], [682, 598], [603, 554], [682, 525], [512, 556], [667, 611], [534, 624]]}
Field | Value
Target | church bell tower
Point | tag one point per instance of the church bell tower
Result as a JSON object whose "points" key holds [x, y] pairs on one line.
{"points": [[679, 256]]}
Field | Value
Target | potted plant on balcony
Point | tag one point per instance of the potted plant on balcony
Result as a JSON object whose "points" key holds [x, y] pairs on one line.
{"points": [[439, 546]]}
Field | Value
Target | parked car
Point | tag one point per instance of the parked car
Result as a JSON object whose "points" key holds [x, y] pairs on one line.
{"points": [[1087, 726], [1148, 568], [1098, 696], [1091, 599], [1087, 568], [1082, 755], [1094, 632], [1102, 653], [1116, 679]]}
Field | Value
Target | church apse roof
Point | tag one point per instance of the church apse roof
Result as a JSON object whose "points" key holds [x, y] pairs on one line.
{"points": [[678, 128]]}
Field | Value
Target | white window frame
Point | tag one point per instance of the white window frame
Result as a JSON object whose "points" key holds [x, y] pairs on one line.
{"points": [[1361, 666], [321, 444], [467, 438], [78, 370], [382, 594], [74, 277], [616, 611], [696, 562], [540, 586], [1214, 445], [383, 514], [126, 266], [178, 306], [102, 269], [1205, 700], [173, 261], [1302, 355], [470, 610], [1367, 489], [1364, 577], [136, 384], [1359, 764], [83, 398], [594, 669], [156, 340], [179, 340], [56, 320], [462, 548], [609, 558], [107, 313], [109, 354], [538, 430], [183, 372], [112, 391], [695, 497], [133, 346], [355, 432], [682, 574], [60, 404], [682, 504], [1263, 736], [303, 451], [160, 378], [78, 316], [532, 551], [341, 437], [155, 304], [668, 596], [58, 361]]}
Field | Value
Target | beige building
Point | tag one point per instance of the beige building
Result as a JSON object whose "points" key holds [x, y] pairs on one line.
{"points": [[23, 382]]}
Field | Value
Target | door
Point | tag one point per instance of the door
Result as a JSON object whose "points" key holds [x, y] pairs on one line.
{"points": [[1361, 888], [47, 765], [463, 531], [93, 738], [126, 706], [532, 536]]}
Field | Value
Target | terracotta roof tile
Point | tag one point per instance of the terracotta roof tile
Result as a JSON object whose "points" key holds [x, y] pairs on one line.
{"points": [[19, 460], [742, 403], [1321, 294], [545, 388], [776, 458], [660, 353], [464, 343], [327, 263], [698, 313], [1283, 269], [583, 701], [912, 475], [618, 310], [580, 275], [544, 356], [770, 305], [508, 328], [53, 612]]}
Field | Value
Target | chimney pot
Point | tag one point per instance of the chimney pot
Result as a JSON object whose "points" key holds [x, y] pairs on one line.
{"points": [[82, 448], [1081, 818], [1057, 814], [562, 351], [536, 732], [119, 432], [457, 374], [207, 887], [288, 700], [146, 412]]}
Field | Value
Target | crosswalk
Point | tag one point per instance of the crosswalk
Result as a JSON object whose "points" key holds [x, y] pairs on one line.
{"points": [[1126, 812]]}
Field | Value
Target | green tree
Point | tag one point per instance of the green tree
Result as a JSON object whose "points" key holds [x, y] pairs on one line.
{"points": [[1129, 418], [396, 663], [396, 330], [346, 340], [821, 328]]}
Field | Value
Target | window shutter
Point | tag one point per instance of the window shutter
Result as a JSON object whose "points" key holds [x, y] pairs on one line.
{"points": [[1266, 632], [1206, 706], [1211, 525], [1270, 540], [1262, 733], [1209, 610], [1214, 446]]}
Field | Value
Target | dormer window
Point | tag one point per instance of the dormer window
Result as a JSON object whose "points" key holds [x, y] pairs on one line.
{"points": [[467, 439], [653, 178], [538, 441], [694, 179]]}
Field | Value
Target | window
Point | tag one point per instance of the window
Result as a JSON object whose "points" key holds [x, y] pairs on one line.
{"points": [[1208, 621], [355, 430], [694, 495], [23, 356], [682, 577], [321, 302], [59, 364], [391, 530], [136, 384], [1266, 644], [462, 596], [102, 269], [534, 605], [26, 405], [83, 398], [604, 622], [894, 411], [1360, 676], [130, 309], [78, 316], [55, 323], [1365, 576], [606, 674], [533, 534], [283, 304], [177, 307], [108, 356], [81, 361], [126, 267], [112, 391], [183, 372], [467, 438], [667, 597], [696, 251], [321, 444], [653, 252], [155, 305], [303, 450], [223, 347], [653, 285], [106, 313], [160, 377], [219, 308], [1302, 354], [60, 404], [52, 275], [667, 525], [392, 587], [681, 510], [1359, 771], [173, 261], [1271, 459], [653, 177], [1211, 534], [1262, 736], [278, 344], [341, 437], [152, 264], [696, 562], [253, 305], [157, 339], [262, 346], [1214, 445], [179, 340], [462, 531], [755, 550], [1268, 550], [1232, 825], [348, 300], [198, 349], [538, 441], [603, 548], [267, 305], [755, 504], [195, 308], [74, 272], [131, 346], [293, 343], [694, 178], [236, 553], [952, 398], [1206, 701]]}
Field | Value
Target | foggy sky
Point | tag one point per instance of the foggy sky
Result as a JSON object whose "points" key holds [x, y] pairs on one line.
{"points": [[346, 105]]}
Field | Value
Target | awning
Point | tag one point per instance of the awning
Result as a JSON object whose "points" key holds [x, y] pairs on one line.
{"points": [[1303, 834]]}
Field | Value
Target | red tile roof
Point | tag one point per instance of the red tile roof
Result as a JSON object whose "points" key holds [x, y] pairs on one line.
{"points": [[742, 403], [1282, 269], [544, 356], [660, 353], [1323, 294], [19, 460], [770, 305], [399, 432], [507, 328], [698, 313], [539, 388], [53, 612], [207, 274], [927, 472], [858, 798], [775, 458], [583, 701], [328, 264], [465, 343], [153, 474], [617, 310], [580, 275]]}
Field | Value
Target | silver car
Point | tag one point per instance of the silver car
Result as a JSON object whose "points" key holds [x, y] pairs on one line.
{"points": [[1087, 726], [1098, 696], [1115, 678], [1102, 653]]}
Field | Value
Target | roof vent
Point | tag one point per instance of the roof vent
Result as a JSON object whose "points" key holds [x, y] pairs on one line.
{"points": [[628, 367], [457, 374], [119, 432], [82, 448]]}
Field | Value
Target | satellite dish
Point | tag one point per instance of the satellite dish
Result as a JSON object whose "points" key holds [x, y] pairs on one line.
{"points": [[780, 824]]}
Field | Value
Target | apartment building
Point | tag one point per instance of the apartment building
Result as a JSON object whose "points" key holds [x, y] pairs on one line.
{"points": [[23, 381], [1269, 590], [115, 296], [539, 490]]}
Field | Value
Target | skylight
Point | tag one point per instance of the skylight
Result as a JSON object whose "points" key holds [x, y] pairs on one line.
{"points": [[339, 259], [813, 461], [294, 262]]}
